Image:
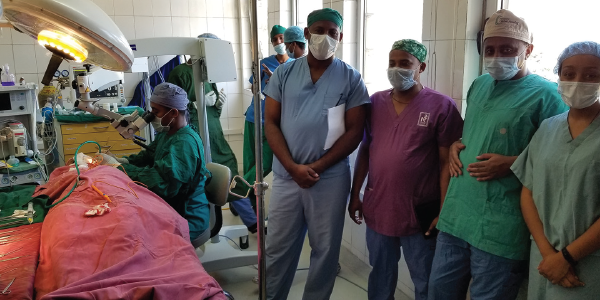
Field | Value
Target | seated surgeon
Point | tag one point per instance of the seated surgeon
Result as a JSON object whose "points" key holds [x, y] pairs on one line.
{"points": [[173, 166]]}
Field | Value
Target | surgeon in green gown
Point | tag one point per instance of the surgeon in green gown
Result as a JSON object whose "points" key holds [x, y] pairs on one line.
{"points": [[220, 150], [173, 166]]}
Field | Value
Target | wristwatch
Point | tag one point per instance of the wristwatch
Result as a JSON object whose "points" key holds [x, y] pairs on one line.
{"points": [[568, 257]]}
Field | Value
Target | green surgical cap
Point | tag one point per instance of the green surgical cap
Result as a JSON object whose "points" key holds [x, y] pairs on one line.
{"points": [[326, 14], [277, 29], [413, 47]]}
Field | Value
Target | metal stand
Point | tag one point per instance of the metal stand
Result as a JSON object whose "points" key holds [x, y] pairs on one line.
{"points": [[259, 185]]}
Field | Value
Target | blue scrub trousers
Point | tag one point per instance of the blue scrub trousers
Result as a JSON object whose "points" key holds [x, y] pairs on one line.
{"points": [[245, 211], [456, 262], [293, 211], [384, 255]]}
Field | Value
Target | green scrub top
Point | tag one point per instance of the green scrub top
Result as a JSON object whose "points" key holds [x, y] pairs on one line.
{"points": [[501, 118], [562, 174], [173, 167], [220, 150]]}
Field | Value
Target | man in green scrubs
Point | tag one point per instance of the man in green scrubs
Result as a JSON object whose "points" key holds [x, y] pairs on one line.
{"points": [[483, 235], [173, 166]]}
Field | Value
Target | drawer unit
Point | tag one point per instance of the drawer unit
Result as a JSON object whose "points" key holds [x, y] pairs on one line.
{"points": [[74, 135]]}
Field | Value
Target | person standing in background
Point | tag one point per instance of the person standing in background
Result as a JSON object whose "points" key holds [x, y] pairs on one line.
{"points": [[483, 236], [295, 42], [315, 118], [405, 153], [560, 199], [220, 150], [269, 65]]}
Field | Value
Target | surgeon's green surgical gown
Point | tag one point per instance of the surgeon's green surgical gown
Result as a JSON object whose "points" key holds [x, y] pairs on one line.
{"points": [[220, 150], [173, 167]]}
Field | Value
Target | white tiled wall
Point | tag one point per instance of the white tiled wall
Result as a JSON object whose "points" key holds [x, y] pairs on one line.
{"points": [[449, 31]]}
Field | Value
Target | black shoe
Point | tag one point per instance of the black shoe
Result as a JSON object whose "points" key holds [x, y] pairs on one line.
{"points": [[253, 228]]}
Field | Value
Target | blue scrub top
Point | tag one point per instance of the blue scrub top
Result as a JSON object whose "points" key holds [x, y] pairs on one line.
{"points": [[304, 108], [272, 63]]}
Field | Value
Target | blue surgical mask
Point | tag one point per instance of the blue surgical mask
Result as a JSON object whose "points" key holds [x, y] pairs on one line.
{"points": [[280, 49], [502, 68], [290, 53], [401, 79]]}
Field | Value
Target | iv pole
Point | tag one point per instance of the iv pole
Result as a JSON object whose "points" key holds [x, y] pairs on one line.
{"points": [[259, 185]]}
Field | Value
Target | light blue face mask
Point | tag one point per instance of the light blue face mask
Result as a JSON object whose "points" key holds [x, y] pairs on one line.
{"points": [[290, 53], [280, 49], [401, 79], [502, 68]]}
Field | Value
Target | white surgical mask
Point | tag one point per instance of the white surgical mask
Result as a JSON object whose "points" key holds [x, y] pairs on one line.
{"points": [[158, 126], [502, 68], [322, 46], [280, 49], [401, 79], [579, 94]]}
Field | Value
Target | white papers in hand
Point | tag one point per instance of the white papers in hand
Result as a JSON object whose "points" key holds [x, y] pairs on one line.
{"points": [[337, 124]]}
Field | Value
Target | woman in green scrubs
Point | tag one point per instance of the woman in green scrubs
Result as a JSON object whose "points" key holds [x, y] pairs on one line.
{"points": [[560, 172]]}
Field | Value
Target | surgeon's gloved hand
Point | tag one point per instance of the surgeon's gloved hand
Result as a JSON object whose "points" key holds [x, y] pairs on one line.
{"points": [[122, 160], [221, 100], [106, 160], [210, 98]]}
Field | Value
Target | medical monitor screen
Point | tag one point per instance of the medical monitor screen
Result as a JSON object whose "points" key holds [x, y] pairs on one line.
{"points": [[5, 101]]}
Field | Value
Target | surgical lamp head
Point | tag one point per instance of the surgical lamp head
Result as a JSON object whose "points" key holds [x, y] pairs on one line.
{"points": [[66, 29]]}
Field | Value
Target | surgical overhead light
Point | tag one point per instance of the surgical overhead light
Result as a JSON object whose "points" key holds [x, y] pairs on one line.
{"points": [[76, 30], [62, 45]]}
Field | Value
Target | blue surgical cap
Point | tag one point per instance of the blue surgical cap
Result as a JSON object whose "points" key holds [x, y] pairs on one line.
{"points": [[209, 36], [294, 34], [591, 48], [170, 95]]}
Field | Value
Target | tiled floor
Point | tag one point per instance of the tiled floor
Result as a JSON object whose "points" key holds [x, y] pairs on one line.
{"points": [[239, 283]]}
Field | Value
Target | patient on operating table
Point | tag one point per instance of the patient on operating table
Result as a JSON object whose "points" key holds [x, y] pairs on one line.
{"points": [[140, 250]]}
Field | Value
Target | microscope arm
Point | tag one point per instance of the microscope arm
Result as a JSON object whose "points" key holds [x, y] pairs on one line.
{"points": [[126, 125]]}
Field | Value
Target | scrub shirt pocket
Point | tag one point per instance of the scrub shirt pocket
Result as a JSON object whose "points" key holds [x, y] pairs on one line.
{"points": [[510, 135], [332, 101]]}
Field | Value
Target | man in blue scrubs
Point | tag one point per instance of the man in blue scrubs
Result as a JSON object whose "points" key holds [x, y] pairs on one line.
{"points": [[305, 98], [269, 64]]}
